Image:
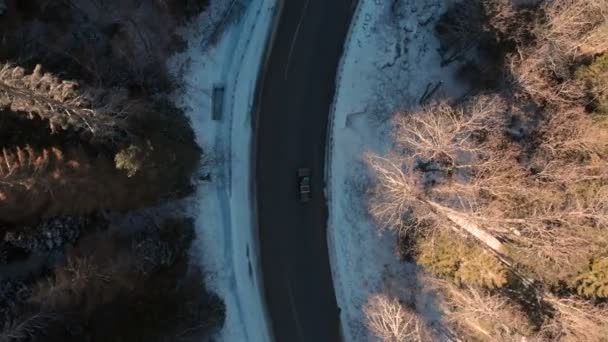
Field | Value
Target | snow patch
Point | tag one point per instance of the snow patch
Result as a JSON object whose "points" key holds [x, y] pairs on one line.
{"points": [[390, 62], [226, 240]]}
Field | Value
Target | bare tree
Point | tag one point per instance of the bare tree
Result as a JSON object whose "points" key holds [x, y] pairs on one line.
{"points": [[446, 138], [543, 73], [476, 313], [578, 26], [572, 28], [576, 320], [28, 327], [446, 134], [454, 167], [392, 321], [397, 195]]}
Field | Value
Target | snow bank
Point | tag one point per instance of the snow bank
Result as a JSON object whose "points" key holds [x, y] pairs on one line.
{"points": [[227, 241], [390, 61]]}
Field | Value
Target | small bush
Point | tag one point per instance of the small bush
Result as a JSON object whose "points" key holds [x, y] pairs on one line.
{"points": [[595, 77], [593, 282], [131, 159]]}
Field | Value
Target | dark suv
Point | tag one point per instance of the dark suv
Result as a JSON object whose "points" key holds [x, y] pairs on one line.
{"points": [[304, 184]]}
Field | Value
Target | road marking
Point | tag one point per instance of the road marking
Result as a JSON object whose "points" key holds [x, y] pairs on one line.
{"points": [[295, 37], [293, 309]]}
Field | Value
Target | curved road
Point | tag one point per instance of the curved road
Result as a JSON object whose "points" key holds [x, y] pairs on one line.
{"points": [[294, 101]]}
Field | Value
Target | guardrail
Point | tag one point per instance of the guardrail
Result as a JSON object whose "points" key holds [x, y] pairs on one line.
{"points": [[329, 145]]}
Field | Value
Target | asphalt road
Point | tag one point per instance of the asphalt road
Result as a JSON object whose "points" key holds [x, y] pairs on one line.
{"points": [[296, 94]]}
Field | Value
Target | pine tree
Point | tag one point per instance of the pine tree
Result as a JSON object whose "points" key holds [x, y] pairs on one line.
{"points": [[593, 282], [595, 76], [65, 104]]}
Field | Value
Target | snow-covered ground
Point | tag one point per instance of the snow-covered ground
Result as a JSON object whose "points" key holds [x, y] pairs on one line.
{"points": [[390, 60], [227, 242]]}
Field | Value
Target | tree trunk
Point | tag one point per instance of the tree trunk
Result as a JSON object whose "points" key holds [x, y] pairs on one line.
{"points": [[470, 227]]}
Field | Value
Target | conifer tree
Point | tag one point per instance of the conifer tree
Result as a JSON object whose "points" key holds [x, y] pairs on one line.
{"points": [[65, 104], [594, 281]]}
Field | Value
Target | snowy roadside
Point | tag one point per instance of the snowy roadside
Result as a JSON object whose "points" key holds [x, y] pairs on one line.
{"points": [[390, 61], [226, 239]]}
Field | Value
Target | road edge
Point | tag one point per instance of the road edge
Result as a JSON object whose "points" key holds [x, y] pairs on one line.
{"points": [[253, 162], [329, 151]]}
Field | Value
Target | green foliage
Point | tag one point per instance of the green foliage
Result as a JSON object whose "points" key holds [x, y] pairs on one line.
{"points": [[593, 282], [460, 260], [131, 159], [595, 77], [481, 268]]}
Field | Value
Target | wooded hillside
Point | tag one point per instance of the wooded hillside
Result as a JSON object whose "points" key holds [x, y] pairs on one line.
{"points": [[502, 197], [89, 140]]}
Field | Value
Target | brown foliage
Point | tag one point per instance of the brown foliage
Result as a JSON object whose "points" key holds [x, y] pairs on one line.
{"points": [[395, 194], [73, 181], [435, 143], [576, 320], [572, 29], [458, 166], [479, 315], [523, 173], [580, 27]]}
